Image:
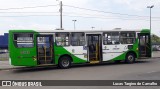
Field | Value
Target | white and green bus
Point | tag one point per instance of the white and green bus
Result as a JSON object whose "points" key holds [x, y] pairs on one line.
{"points": [[64, 47]]}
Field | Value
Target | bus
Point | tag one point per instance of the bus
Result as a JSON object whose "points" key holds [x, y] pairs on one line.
{"points": [[64, 48]]}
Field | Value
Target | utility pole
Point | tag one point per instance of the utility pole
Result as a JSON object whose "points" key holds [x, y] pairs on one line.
{"points": [[60, 10], [92, 27], [150, 7], [74, 24]]}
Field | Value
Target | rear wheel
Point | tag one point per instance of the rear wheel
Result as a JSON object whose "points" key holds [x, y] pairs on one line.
{"points": [[130, 58], [64, 62]]}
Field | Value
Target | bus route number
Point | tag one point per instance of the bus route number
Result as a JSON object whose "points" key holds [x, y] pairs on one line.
{"points": [[25, 52]]}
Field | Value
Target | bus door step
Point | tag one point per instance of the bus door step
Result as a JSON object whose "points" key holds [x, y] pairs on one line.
{"points": [[45, 62], [143, 55], [94, 62]]}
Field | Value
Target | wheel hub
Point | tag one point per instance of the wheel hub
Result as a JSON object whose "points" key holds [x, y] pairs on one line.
{"points": [[130, 57], [65, 63]]}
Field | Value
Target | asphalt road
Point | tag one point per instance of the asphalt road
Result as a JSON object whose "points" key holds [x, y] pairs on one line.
{"points": [[141, 70]]}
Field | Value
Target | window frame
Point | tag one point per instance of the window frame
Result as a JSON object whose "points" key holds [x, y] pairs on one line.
{"points": [[15, 41]]}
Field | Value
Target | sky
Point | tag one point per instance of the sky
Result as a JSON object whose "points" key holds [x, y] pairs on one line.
{"points": [[100, 14]]}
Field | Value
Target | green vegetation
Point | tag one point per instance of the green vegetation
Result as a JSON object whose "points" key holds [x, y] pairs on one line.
{"points": [[155, 38]]}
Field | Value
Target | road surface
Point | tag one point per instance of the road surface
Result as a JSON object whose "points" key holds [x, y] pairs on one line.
{"points": [[148, 69]]}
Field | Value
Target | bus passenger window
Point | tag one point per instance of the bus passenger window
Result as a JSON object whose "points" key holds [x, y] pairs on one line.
{"points": [[24, 40], [111, 38], [62, 39], [77, 39], [127, 37]]}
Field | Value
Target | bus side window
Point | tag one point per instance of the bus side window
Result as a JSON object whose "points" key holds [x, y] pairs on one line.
{"points": [[77, 39], [62, 39], [127, 37], [111, 38], [23, 40]]}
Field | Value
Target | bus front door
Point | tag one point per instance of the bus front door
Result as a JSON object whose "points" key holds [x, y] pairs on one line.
{"points": [[144, 45], [45, 49], [94, 44]]}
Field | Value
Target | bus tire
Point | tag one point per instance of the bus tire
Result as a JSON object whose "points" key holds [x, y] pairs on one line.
{"points": [[130, 58], [64, 62]]}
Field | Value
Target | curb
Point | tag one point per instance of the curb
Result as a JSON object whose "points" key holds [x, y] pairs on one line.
{"points": [[11, 68], [155, 57], [24, 67]]}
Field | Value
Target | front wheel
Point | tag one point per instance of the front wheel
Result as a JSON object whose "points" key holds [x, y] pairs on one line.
{"points": [[130, 58], [64, 62]]}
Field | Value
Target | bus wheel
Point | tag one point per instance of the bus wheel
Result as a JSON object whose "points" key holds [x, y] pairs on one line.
{"points": [[130, 58], [64, 62]]}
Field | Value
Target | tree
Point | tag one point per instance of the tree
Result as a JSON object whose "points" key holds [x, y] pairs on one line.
{"points": [[155, 38]]}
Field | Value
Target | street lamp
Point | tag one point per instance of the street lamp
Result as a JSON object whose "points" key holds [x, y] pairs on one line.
{"points": [[150, 7], [74, 23]]}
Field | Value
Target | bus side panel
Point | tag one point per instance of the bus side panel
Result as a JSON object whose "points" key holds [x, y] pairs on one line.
{"points": [[21, 56], [114, 52], [118, 52], [134, 49], [79, 54], [70, 51]]}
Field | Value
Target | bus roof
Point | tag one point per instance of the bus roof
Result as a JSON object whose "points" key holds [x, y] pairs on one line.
{"points": [[114, 30]]}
